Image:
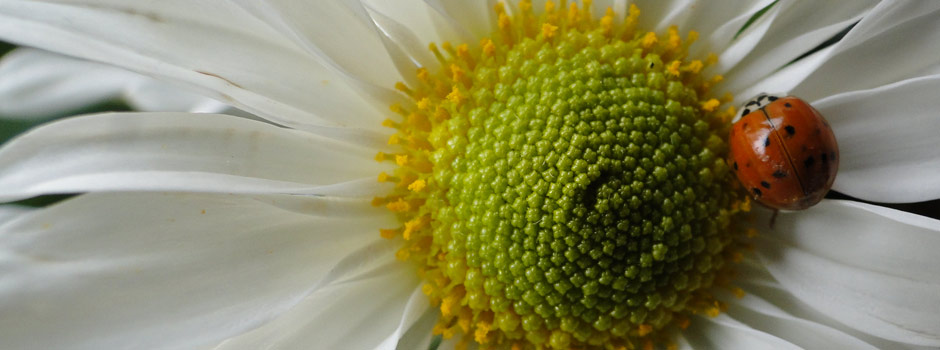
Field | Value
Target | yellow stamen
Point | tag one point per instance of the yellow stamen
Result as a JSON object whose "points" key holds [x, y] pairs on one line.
{"points": [[649, 40], [548, 30], [401, 159], [456, 96], [710, 105], [488, 47], [673, 67], [417, 186], [398, 206]]}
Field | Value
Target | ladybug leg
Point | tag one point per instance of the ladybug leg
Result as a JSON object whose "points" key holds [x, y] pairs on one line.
{"points": [[773, 218]]}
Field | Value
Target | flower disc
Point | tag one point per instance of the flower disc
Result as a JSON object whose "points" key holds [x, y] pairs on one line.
{"points": [[564, 184]]}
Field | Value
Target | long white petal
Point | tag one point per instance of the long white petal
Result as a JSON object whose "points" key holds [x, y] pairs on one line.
{"points": [[162, 271], [724, 332], [407, 50], [420, 334], [799, 27], [9, 212], [869, 267], [888, 144], [36, 84], [212, 45], [731, 46], [756, 312], [152, 95], [361, 312], [898, 40], [339, 35], [177, 152], [473, 17], [757, 281]]}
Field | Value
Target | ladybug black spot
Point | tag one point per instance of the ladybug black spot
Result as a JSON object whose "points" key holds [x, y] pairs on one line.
{"points": [[780, 174], [735, 166], [765, 184], [809, 162], [745, 112], [832, 155], [825, 158], [790, 130], [767, 141], [772, 98], [756, 191], [788, 105]]}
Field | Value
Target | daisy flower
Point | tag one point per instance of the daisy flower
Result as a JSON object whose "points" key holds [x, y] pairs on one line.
{"points": [[531, 175], [39, 85]]}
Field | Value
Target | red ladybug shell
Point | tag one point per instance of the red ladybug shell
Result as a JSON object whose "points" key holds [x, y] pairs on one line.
{"points": [[784, 152]]}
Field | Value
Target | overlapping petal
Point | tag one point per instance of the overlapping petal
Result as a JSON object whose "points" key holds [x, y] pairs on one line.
{"points": [[795, 28], [161, 271], [869, 267], [212, 45], [36, 84], [888, 141], [363, 60], [178, 152], [896, 41], [363, 311]]}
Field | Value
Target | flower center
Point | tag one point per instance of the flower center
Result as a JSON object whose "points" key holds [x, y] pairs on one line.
{"points": [[563, 184]]}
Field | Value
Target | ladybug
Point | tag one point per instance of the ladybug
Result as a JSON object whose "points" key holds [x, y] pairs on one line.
{"points": [[783, 152]]}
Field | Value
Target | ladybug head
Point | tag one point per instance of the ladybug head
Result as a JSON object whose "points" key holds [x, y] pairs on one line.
{"points": [[757, 102]]}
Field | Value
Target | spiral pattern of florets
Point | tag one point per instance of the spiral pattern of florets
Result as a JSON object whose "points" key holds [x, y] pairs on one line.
{"points": [[564, 185]]}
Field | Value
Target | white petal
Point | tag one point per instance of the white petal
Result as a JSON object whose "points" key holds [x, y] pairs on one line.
{"points": [[416, 308], [212, 45], [422, 21], [339, 35], [361, 312], [887, 140], [757, 281], [724, 332], [762, 315], [10, 212], [420, 334], [732, 47], [407, 51], [869, 267], [36, 84], [474, 17], [160, 271], [177, 152], [785, 78], [155, 96], [799, 27], [898, 40], [716, 21]]}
